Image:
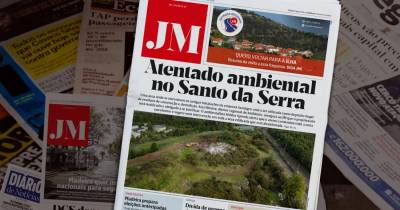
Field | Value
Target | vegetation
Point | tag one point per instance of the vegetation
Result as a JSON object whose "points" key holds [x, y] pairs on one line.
{"points": [[297, 144], [183, 123], [294, 190], [217, 160], [260, 29]]}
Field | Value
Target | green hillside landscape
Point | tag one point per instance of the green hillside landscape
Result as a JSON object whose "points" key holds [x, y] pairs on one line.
{"points": [[259, 29], [213, 159]]}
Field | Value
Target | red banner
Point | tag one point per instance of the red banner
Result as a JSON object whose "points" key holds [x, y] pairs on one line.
{"points": [[295, 64], [68, 125]]}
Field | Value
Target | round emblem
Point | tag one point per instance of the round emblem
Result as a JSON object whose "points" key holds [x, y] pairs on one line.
{"points": [[230, 23]]}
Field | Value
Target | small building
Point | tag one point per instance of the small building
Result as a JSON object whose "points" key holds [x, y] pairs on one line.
{"points": [[217, 41], [231, 40], [138, 130], [237, 46], [245, 127], [192, 144], [159, 128], [284, 52], [247, 45], [136, 134], [259, 47], [271, 49], [307, 54]]}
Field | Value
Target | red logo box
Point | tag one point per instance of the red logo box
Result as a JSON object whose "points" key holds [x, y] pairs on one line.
{"points": [[68, 125], [174, 30]]}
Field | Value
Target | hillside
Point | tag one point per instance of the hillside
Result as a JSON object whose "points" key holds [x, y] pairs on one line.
{"points": [[260, 29]]}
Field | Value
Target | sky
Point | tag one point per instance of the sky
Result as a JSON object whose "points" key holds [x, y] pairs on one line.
{"points": [[296, 22]]}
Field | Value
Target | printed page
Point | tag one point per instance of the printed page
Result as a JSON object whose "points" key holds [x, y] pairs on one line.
{"points": [[363, 140], [16, 146], [361, 136], [38, 46], [106, 44], [21, 189], [381, 14], [82, 147], [122, 90], [227, 105], [365, 55]]}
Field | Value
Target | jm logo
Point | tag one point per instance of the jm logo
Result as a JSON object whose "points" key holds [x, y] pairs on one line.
{"points": [[181, 38], [71, 128]]}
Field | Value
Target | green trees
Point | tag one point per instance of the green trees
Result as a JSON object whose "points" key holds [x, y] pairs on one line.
{"points": [[134, 152], [298, 145], [215, 188], [260, 29], [153, 147], [190, 157], [179, 122], [294, 191]]}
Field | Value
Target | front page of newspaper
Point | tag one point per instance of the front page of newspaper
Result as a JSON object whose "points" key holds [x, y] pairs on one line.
{"points": [[106, 44], [38, 45], [227, 105], [82, 145]]}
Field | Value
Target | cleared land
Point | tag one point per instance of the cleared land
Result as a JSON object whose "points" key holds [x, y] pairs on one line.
{"points": [[218, 160]]}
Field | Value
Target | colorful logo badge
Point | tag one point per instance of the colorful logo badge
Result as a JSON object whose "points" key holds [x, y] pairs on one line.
{"points": [[230, 23]]}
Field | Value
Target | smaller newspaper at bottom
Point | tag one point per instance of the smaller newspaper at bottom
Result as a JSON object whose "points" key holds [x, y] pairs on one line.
{"points": [[148, 200], [21, 189]]}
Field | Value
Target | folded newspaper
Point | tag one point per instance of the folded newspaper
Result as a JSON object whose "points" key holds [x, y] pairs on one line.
{"points": [[82, 145], [105, 46], [16, 146], [363, 133], [21, 189], [227, 105], [38, 45]]}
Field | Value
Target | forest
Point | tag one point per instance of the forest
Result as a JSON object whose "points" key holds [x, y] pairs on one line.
{"points": [[298, 145], [260, 29]]}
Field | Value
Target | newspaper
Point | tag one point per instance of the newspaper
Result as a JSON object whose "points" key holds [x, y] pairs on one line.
{"points": [[38, 44], [383, 15], [366, 54], [82, 146], [227, 105], [21, 189], [362, 136], [122, 90], [42, 38], [16, 146], [363, 140], [106, 44]]}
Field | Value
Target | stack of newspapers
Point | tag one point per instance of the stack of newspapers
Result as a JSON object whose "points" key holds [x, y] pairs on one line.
{"points": [[195, 104]]}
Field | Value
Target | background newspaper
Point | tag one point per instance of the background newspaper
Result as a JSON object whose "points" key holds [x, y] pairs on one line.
{"points": [[21, 151], [38, 43], [21, 189], [363, 133], [82, 146], [105, 47]]}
